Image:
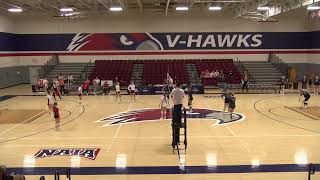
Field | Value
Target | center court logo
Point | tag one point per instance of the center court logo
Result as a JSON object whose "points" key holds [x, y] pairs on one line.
{"points": [[153, 114], [86, 153]]}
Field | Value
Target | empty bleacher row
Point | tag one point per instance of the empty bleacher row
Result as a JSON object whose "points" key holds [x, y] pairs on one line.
{"points": [[154, 71]]}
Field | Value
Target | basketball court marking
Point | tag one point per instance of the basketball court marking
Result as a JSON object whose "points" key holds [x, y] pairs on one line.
{"points": [[116, 134], [29, 135], [303, 113], [279, 121], [17, 125], [272, 112], [56, 145]]}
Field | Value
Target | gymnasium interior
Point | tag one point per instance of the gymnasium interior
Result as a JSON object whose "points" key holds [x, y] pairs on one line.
{"points": [[266, 53]]}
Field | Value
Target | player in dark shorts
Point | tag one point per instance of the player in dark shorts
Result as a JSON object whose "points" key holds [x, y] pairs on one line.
{"points": [[190, 97], [304, 82], [306, 96], [316, 83], [283, 81], [226, 97], [245, 82], [232, 104]]}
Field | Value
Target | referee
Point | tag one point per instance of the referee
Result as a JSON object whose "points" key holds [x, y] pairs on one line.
{"points": [[177, 95]]}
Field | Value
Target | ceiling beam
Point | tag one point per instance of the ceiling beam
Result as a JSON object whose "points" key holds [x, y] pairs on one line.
{"points": [[167, 7], [140, 5], [121, 3], [103, 4], [86, 4]]}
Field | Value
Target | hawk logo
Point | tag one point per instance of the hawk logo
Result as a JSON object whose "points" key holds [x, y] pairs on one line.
{"points": [[86, 153], [149, 115]]}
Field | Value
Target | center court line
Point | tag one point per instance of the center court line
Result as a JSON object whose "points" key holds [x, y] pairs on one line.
{"points": [[116, 134], [227, 127], [9, 129]]}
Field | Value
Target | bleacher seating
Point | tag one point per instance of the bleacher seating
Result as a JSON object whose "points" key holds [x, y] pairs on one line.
{"points": [[226, 65], [154, 71], [109, 70]]}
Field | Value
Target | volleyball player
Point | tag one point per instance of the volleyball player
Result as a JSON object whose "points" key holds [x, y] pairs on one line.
{"points": [[132, 91], [306, 95], [56, 115], [118, 91], [245, 81], [283, 81], [96, 83], [316, 85], [56, 92], [164, 103], [304, 82], [79, 91], [190, 97], [86, 85], [226, 96], [232, 104], [50, 101]]}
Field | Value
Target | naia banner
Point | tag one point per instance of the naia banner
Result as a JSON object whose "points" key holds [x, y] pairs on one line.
{"points": [[159, 41]]}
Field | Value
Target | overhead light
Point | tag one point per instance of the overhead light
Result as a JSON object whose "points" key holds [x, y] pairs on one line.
{"points": [[313, 7], [263, 8], [182, 8], [15, 10], [116, 8], [215, 8], [66, 9], [68, 14]]}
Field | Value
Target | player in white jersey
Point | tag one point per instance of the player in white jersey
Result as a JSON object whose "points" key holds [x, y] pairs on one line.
{"points": [[118, 92], [50, 101], [132, 90], [79, 91], [164, 103]]}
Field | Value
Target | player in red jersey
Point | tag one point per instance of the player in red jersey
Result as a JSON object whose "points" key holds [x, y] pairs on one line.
{"points": [[85, 86], [56, 116]]}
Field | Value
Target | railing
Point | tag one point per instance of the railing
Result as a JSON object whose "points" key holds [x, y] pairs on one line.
{"points": [[49, 65], [243, 69], [278, 63], [84, 74]]}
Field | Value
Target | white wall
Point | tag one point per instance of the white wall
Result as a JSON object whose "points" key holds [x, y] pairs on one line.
{"points": [[8, 61], [156, 24], [6, 25]]}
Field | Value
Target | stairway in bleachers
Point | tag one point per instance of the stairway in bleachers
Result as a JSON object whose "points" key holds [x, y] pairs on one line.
{"points": [[263, 72], [137, 73], [79, 72], [193, 74]]}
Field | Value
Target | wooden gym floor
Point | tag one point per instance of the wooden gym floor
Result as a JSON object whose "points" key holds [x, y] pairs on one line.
{"points": [[275, 139]]}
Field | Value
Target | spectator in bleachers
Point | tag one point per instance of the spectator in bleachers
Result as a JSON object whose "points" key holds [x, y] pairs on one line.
{"points": [[216, 74], [230, 74], [70, 79], [96, 84], [202, 74], [207, 73], [221, 75], [212, 73]]}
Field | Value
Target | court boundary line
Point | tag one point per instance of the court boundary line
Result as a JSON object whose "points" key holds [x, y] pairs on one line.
{"points": [[302, 112], [40, 132], [23, 122], [145, 170], [287, 124]]}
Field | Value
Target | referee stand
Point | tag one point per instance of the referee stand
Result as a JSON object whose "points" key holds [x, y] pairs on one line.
{"points": [[177, 137]]}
